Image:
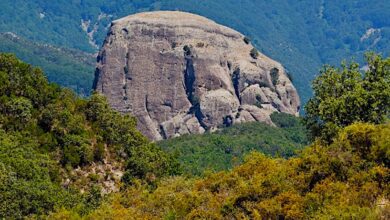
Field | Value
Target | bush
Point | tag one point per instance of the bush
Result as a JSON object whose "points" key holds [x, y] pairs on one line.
{"points": [[247, 40], [174, 45], [258, 101], [187, 50], [254, 53], [274, 76], [150, 163]]}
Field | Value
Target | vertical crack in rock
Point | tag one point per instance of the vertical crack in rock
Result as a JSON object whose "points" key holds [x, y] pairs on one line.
{"points": [[97, 74], [189, 81], [157, 128], [236, 83], [126, 68], [125, 84], [162, 132], [96, 80], [189, 75]]}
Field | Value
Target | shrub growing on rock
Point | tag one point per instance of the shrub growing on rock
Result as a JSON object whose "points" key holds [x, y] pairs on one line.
{"points": [[254, 53]]}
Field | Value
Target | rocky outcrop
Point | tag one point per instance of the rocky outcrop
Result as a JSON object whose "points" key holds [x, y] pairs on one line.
{"points": [[180, 73]]}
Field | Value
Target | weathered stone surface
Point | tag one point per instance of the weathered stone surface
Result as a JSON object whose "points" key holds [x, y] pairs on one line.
{"points": [[180, 73]]}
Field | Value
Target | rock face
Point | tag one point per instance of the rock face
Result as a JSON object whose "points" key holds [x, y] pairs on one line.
{"points": [[180, 73]]}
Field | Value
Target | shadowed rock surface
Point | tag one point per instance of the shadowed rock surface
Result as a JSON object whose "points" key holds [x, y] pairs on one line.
{"points": [[180, 73]]}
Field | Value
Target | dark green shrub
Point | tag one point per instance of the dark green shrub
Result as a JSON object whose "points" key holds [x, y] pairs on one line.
{"points": [[254, 53], [126, 70], [149, 162], [274, 76], [174, 45], [258, 101], [247, 40], [263, 84], [187, 50]]}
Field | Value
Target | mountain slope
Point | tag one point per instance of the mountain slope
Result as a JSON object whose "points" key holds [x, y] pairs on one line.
{"points": [[70, 68], [302, 35]]}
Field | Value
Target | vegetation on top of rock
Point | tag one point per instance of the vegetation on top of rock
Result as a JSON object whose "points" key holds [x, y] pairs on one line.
{"points": [[247, 40], [274, 76], [254, 53]]}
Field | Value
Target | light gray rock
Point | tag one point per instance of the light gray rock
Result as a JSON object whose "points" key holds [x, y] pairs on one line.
{"points": [[181, 73]]}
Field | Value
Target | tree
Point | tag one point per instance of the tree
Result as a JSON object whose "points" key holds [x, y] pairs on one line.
{"points": [[345, 95]]}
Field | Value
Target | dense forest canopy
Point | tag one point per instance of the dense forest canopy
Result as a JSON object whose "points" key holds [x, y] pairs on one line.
{"points": [[302, 35], [226, 148], [46, 133], [348, 179]]}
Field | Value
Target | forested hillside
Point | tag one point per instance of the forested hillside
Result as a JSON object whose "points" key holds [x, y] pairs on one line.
{"points": [[59, 150], [68, 67], [302, 35], [226, 148], [348, 179]]}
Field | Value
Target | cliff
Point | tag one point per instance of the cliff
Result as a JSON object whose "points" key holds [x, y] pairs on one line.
{"points": [[180, 73]]}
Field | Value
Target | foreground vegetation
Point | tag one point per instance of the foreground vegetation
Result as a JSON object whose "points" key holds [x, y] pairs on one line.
{"points": [[348, 179], [344, 95], [47, 132], [52, 143], [226, 148]]}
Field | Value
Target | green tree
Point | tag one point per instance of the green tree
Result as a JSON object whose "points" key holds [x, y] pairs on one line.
{"points": [[345, 95]]}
